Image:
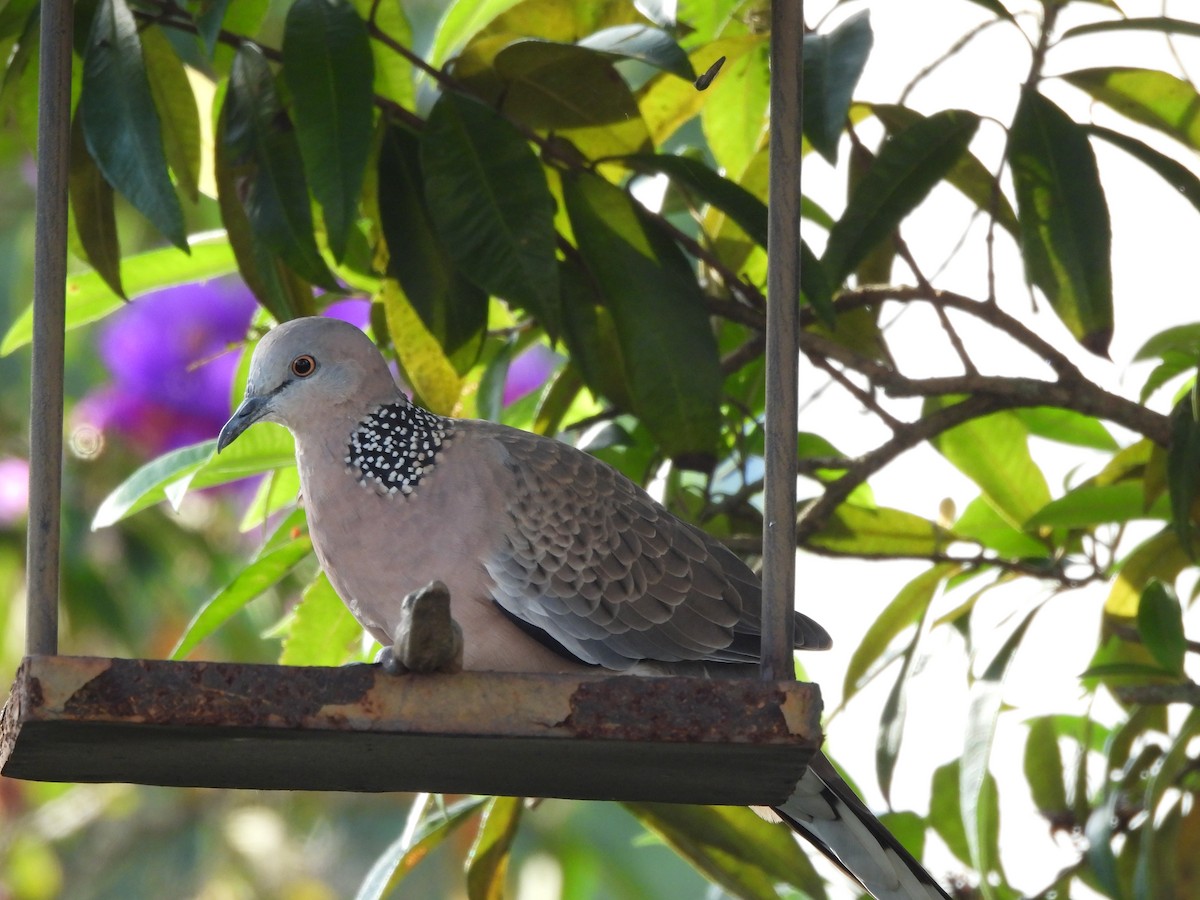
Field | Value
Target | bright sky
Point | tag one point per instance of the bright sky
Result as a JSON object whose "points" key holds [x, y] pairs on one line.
{"points": [[1154, 232]]}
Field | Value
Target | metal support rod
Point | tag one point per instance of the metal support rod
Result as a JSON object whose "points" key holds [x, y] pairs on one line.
{"points": [[783, 340], [49, 313]]}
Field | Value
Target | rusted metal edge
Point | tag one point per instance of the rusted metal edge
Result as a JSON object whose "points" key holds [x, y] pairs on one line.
{"points": [[357, 728]]}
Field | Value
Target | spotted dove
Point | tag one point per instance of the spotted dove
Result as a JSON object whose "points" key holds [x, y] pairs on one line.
{"points": [[554, 561]]}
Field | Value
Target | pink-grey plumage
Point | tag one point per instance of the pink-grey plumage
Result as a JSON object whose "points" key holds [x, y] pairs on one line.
{"points": [[554, 561]]}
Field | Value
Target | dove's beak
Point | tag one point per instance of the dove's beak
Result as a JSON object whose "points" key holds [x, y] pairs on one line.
{"points": [[250, 411]]}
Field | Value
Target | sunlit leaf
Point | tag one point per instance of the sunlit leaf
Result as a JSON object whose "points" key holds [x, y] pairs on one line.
{"points": [[488, 197], [982, 522], [880, 532], [177, 109], [908, 166], [661, 322], [329, 71], [487, 861], [120, 123], [1151, 97], [993, 451], [734, 115], [1159, 557], [733, 847], [422, 360], [1091, 505], [259, 576], [1067, 427], [1175, 174], [322, 628], [393, 72], [833, 63]]}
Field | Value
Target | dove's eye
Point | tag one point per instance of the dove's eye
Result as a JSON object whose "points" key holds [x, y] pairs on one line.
{"points": [[303, 366]]}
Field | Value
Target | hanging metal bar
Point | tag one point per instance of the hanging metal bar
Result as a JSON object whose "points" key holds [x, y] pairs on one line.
{"points": [[49, 313], [782, 347]]}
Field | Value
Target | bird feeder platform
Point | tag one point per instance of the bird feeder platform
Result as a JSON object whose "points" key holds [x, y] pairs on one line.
{"points": [[358, 728]]}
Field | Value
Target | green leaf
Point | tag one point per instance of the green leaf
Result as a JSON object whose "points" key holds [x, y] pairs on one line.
{"points": [[981, 522], [1066, 238], [891, 724], [905, 609], [1148, 23], [277, 490], [833, 63], [1175, 174], [733, 847], [1157, 99], [1160, 556], [1160, 623], [329, 71], [662, 325], [393, 72], [266, 164], [322, 630], [945, 810], [734, 114], [90, 299], [1183, 468], [977, 794], [1184, 339], [568, 91], [969, 175], [120, 123], [264, 448], [880, 532], [487, 195], [93, 214], [1067, 427], [908, 166], [424, 364], [399, 859], [652, 46], [1091, 505], [453, 309], [258, 577], [487, 861], [591, 335], [176, 105], [1044, 767], [993, 451]]}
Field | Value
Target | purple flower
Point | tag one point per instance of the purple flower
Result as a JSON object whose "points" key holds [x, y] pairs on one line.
{"points": [[14, 489], [529, 371]]}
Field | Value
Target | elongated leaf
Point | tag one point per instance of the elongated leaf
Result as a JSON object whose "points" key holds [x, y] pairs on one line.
{"points": [[261, 575], [734, 115], [422, 360], [1044, 767], [1066, 238], [1177, 175], [266, 162], [833, 63], [393, 72], [1183, 468], [733, 847], [1160, 623], [652, 46], [452, 308], [979, 808], [329, 71], [667, 343], [1158, 99], [1092, 505], [277, 490], [880, 532], [570, 91], [1067, 427], [93, 213], [982, 522], [970, 176], [120, 123], [488, 197], [322, 629], [487, 862], [905, 171], [591, 336], [177, 109], [1158, 557], [399, 859], [993, 451], [904, 610], [1164, 24], [145, 487], [90, 299]]}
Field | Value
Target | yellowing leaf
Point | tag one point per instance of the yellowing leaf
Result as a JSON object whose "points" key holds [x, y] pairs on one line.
{"points": [[425, 366]]}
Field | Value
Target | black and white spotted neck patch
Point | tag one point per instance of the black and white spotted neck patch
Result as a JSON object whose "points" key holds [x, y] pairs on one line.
{"points": [[396, 445]]}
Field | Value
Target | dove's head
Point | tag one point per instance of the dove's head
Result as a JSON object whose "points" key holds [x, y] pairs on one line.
{"points": [[307, 371]]}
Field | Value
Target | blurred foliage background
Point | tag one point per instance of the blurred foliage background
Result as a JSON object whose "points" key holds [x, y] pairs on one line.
{"points": [[528, 305]]}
